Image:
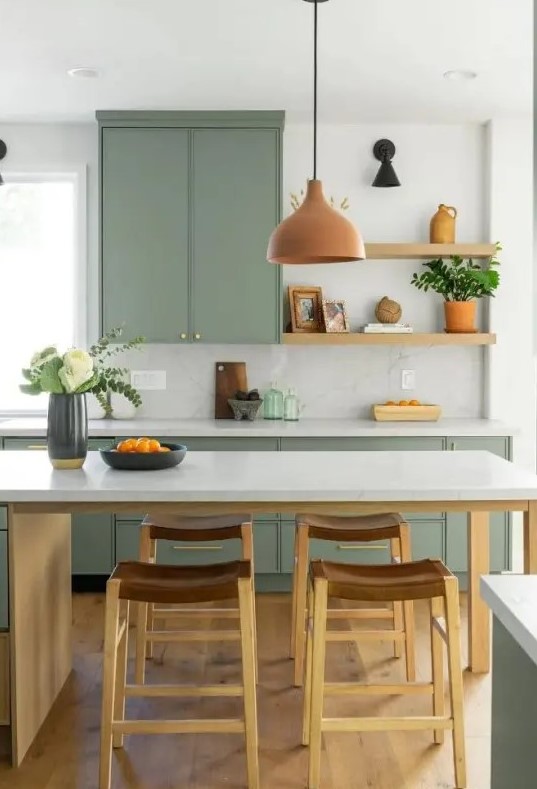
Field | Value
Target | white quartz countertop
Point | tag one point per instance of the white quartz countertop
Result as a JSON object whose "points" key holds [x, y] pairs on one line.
{"points": [[243, 476], [513, 599], [36, 427]]}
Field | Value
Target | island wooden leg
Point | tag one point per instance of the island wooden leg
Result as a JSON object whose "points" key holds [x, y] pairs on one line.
{"points": [[478, 611], [530, 538], [40, 620]]}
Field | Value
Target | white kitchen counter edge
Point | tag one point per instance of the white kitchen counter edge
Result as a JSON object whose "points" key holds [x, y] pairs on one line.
{"points": [[305, 428], [513, 600]]}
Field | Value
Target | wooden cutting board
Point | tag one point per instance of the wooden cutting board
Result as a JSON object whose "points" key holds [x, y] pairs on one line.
{"points": [[229, 377]]}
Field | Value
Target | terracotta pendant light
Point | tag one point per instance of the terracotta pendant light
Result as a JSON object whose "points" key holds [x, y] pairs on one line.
{"points": [[315, 232]]}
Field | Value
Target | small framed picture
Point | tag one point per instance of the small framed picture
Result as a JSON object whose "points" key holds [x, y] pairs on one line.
{"points": [[305, 304], [335, 316]]}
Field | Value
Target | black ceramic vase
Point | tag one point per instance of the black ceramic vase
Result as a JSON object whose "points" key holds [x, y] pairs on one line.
{"points": [[67, 430]]}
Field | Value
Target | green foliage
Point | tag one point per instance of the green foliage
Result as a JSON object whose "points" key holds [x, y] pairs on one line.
{"points": [[49, 379], [459, 279]]}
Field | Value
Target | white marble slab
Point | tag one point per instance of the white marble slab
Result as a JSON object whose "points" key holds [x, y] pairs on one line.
{"points": [[513, 599], [412, 476], [36, 427]]}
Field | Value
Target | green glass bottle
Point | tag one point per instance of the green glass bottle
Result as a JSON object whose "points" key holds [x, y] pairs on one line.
{"points": [[273, 403]]}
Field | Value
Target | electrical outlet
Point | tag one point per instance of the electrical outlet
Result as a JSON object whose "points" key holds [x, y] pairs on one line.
{"points": [[408, 379], [148, 379]]}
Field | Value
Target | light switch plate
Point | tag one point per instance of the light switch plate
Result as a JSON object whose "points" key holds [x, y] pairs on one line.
{"points": [[145, 380], [408, 379]]}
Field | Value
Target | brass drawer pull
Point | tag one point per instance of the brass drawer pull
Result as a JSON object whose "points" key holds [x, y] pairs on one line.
{"points": [[36, 446], [361, 547], [198, 547]]}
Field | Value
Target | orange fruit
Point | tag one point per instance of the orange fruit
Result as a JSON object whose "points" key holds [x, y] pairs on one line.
{"points": [[390, 402], [143, 446], [127, 446], [414, 402], [404, 402], [154, 445], [164, 449]]}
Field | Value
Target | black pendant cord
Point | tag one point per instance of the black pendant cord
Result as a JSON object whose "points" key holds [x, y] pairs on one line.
{"points": [[315, 90]]}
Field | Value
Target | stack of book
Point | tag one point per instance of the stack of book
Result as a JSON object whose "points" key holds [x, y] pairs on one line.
{"points": [[387, 328]]}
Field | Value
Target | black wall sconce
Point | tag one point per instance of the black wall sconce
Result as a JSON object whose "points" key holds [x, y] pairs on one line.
{"points": [[384, 151], [3, 151]]}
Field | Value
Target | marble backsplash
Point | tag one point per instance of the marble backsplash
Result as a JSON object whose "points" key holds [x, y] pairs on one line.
{"points": [[336, 382]]}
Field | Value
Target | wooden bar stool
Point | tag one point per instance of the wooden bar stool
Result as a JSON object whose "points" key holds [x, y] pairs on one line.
{"points": [[359, 529], [427, 579], [165, 584], [190, 530]]}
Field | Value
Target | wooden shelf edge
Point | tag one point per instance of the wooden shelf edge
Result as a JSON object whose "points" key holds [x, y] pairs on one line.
{"points": [[397, 251], [359, 338]]}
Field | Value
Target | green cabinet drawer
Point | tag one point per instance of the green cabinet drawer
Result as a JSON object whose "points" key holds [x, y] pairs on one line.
{"points": [[362, 444], [177, 552], [4, 586], [500, 522], [25, 443], [92, 544], [3, 518]]}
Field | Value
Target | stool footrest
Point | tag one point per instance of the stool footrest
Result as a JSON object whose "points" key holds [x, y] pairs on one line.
{"points": [[359, 613], [199, 726], [386, 724], [365, 635], [193, 635], [194, 613], [183, 690], [357, 688]]}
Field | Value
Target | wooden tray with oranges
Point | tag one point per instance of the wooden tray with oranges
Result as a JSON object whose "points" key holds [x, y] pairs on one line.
{"points": [[406, 411], [143, 454]]}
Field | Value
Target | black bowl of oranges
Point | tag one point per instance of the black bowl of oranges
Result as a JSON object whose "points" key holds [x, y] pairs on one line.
{"points": [[143, 454]]}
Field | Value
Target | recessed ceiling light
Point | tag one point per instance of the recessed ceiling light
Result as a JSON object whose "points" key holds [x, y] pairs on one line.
{"points": [[460, 74], [84, 72]]}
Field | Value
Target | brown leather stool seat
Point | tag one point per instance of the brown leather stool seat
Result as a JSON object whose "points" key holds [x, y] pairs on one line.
{"points": [[190, 535], [428, 579], [169, 584], [359, 529], [164, 583]]}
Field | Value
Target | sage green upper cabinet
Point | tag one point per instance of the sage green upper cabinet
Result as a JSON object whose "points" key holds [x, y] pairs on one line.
{"points": [[235, 198], [188, 202], [145, 240]]}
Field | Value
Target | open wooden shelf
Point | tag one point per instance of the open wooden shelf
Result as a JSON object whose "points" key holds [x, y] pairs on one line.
{"points": [[427, 251], [359, 338]]}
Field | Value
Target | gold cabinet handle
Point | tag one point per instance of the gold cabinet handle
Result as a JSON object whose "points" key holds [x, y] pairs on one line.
{"points": [[182, 336], [198, 547], [197, 336], [361, 547], [36, 446]]}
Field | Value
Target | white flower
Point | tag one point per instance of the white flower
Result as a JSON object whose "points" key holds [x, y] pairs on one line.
{"points": [[77, 369], [42, 357]]}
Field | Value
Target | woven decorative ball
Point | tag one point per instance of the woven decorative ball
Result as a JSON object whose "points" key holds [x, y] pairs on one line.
{"points": [[388, 311]]}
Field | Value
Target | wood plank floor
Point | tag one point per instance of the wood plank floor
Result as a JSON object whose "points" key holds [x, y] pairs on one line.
{"points": [[65, 755]]}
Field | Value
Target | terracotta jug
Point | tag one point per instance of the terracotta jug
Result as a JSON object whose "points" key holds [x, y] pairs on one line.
{"points": [[443, 225]]}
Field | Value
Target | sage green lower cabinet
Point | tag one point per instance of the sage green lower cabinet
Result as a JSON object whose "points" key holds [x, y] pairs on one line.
{"points": [[4, 586], [3, 518], [500, 522]]}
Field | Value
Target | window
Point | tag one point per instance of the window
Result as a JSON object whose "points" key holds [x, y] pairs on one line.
{"points": [[42, 275]]}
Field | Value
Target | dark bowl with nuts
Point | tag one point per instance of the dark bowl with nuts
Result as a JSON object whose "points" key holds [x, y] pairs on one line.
{"points": [[245, 405]]}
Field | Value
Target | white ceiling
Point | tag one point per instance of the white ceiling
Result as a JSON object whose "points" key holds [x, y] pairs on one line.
{"points": [[379, 59]]}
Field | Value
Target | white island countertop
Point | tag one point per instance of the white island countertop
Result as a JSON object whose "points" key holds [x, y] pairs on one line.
{"points": [[513, 599], [229, 428], [271, 477]]}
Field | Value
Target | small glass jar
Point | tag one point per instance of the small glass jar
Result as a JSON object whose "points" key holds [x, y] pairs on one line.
{"points": [[273, 403], [291, 407]]}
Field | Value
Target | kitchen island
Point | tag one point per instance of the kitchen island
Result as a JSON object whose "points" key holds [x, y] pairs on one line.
{"points": [[40, 502]]}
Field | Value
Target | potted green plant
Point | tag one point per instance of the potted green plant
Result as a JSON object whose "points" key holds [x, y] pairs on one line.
{"points": [[460, 282], [68, 378]]}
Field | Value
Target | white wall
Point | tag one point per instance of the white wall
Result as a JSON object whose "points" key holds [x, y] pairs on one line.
{"points": [[435, 164]]}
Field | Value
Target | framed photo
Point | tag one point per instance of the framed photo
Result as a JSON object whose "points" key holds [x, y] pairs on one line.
{"points": [[335, 316], [305, 304]]}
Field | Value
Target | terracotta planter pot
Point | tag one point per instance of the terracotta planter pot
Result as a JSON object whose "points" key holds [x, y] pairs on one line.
{"points": [[460, 317]]}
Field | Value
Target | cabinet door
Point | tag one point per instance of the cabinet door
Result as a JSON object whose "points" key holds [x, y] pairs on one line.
{"points": [[4, 594], [145, 230], [500, 524], [235, 192]]}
